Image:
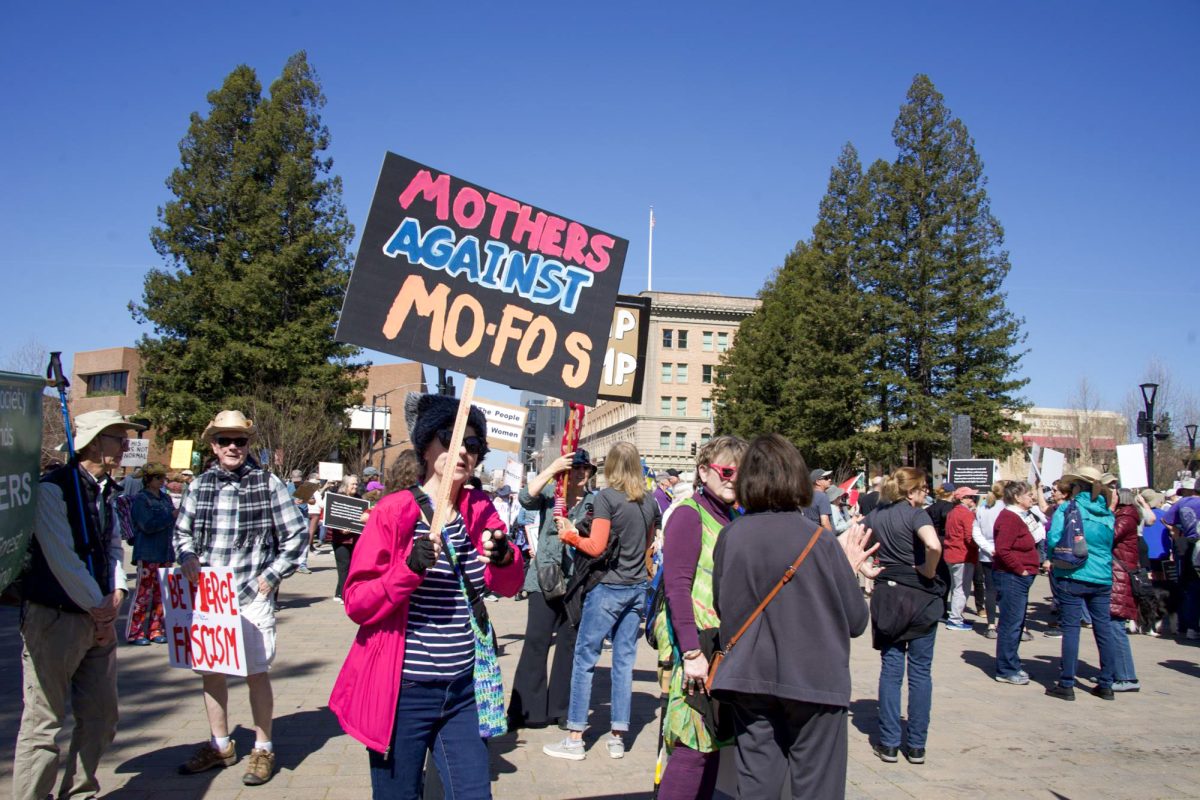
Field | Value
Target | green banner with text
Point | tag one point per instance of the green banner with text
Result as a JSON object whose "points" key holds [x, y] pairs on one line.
{"points": [[20, 460]]}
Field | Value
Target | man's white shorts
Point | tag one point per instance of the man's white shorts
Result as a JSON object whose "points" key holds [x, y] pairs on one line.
{"points": [[258, 628]]}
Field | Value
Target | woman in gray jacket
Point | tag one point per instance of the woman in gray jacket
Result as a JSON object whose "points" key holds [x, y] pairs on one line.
{"points": [[788, 677]]}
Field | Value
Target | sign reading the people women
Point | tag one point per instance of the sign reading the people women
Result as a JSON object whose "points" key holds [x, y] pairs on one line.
{"points": [[20, 460], [203, 621], [453, 274]]}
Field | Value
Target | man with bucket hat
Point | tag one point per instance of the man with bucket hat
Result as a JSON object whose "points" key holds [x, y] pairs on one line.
{"points": [[239, 516], [72, 593]]}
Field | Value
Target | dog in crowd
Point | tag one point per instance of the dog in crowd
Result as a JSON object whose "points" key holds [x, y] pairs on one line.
{"points": [[1156, 609]]}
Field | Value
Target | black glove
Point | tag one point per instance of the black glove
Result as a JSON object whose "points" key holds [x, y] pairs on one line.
{"points": [[500, 548], [422, 556]]}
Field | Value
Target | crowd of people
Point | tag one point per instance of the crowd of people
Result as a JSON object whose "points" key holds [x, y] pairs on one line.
{"points": [[749, 658]]}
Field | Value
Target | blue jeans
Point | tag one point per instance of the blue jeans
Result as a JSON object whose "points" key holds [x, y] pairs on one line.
{"points": [[608, 610], [1123, 669], [919, 654], [1012, 594], [1189, 607], [1075, 596], [437, 715]]}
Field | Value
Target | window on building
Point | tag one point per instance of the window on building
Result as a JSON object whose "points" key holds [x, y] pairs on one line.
{"points": [[682, 339], [666, 373], [665, 406], [681, 373], [107, 383], [705, 436], [667, 335], [664, 439], [681, 406], [680, 440], [706, 407], [706, 343], [706, 373], [722, 342]]}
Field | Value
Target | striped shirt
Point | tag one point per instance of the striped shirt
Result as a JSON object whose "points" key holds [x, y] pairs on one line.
{"points": [[439, 643]]}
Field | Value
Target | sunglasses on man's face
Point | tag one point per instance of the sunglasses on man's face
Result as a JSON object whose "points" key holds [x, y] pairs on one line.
{"points": [[725, 473], [124, 440], [474, 444], [236, 441]]}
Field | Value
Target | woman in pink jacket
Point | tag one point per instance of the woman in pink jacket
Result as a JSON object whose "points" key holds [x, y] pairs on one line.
{"points": [[407, 686]]}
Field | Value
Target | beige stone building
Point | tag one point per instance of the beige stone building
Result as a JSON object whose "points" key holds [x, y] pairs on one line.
{"points": [[1086, 438], [688, 335], [387, 386]]}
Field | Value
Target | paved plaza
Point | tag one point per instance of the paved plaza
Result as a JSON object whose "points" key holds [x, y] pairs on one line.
{"points": [[986, 740]]}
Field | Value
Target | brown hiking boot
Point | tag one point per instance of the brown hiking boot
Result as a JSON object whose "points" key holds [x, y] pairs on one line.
{"points": [[207, 757], [259, 767]]}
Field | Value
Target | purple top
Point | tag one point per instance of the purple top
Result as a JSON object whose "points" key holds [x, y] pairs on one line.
{"points": [[681, 552]]}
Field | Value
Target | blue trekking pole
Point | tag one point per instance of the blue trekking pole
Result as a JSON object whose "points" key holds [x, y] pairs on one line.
{"points": [[55, 377]]}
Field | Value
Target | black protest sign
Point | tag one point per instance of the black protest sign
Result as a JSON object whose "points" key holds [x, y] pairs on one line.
{"points": [[345, 512], [978, 473], [625, 358], [452, 274]]}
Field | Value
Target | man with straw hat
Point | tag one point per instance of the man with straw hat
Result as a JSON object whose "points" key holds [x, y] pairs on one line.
{"points": [[72, 592], [239, 516]]}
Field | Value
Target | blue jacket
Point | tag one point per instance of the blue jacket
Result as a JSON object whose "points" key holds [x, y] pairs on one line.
{"points": [[1097, 531], [153, 523]]}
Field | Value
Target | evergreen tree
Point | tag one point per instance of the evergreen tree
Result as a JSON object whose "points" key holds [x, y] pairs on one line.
{"points": [[796, 365], [256, 240], [944, 341]]}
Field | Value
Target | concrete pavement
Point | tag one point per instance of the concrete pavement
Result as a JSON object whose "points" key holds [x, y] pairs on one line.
{"points": [[986, 739]]}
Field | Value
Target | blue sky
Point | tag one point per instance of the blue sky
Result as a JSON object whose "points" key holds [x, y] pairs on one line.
{"points": [[725, 117]]}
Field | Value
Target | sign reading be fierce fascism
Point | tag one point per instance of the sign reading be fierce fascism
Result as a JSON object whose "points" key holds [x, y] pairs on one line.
{"points": [[452, 274]]}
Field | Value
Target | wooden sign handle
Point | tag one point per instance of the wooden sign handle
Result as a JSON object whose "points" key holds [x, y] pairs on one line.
{"points": [[441, 503]]}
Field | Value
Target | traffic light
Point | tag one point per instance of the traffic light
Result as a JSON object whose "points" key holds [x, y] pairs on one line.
{"points": [[693, 449]]}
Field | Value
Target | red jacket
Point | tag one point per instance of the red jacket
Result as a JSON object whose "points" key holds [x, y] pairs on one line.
{"points": [[376, 594], [1125, 550], [960, 547], [1016, 552]]}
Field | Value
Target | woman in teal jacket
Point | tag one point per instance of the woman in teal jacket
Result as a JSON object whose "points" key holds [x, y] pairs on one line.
{"points": [[1087, 585]]}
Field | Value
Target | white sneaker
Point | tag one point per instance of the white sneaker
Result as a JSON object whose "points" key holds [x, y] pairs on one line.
{"points": [[1193, 635], [616, 746], [568, 748]]}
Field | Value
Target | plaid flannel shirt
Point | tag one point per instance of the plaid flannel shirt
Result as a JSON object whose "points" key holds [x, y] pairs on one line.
{"points": [[273, 557]]}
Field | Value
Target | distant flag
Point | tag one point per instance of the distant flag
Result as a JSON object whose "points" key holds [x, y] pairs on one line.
{"points": [[851, 486]]}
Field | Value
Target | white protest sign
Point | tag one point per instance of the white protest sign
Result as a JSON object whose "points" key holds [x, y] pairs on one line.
{"points": [[136, 454], [506, 424], [1034, 455], [1053, 463], [329, 470], [203, 622], [1131, 462], [512, 475]]}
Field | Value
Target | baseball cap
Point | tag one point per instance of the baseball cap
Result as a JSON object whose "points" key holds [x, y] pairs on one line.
{"points": [[818, 474]]}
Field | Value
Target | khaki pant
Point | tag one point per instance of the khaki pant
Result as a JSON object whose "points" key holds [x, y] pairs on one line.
{"points": [[60, 657]]}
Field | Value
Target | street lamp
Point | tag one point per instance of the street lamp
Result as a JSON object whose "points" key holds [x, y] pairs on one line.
{"points": [[1147, 428], [1191, 437]]}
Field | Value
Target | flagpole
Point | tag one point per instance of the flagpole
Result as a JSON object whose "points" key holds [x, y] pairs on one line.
{"points": [[650, 254]]}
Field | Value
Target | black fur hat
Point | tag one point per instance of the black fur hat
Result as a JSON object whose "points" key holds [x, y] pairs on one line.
{"points": [[426, 414]]}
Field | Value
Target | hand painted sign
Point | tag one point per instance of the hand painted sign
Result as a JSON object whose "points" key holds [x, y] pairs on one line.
{"points": [[136, 454], [625, 358], [20, 460], [203, 621], [453, 274]]}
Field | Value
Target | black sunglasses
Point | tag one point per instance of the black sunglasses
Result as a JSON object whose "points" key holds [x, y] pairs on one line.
{"points": [[237, 441], [474, 444]]}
